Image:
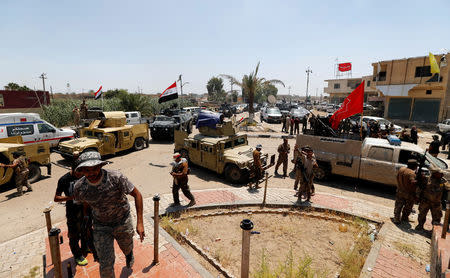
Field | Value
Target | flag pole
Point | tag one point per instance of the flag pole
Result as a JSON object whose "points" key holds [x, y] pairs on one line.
{"points": [[361, 126]]}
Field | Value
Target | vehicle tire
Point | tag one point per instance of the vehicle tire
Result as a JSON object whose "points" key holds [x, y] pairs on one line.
{"points": [[233, 174], [322, 172], [139, 144], [35, 172]]}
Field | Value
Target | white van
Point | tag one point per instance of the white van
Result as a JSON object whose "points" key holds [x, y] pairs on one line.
{"points": [[32, 129], [133, 117]]}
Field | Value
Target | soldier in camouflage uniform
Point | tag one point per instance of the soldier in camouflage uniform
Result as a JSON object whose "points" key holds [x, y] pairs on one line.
{"points": [[431, 196], [20, 166], [283, 152], [180, 171], [105, 192], [406, 191]]}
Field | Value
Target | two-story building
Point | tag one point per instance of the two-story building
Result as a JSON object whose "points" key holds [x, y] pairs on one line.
{"points": [[412, 93], [339, 89]]}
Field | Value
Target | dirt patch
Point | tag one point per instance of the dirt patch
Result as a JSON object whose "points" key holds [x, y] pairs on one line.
{"points": [[307, 238]]}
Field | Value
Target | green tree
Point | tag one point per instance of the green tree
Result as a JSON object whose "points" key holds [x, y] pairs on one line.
{"points": [[136, 102], [115, 93], [16, 87], [215, 89], [250, 85]]}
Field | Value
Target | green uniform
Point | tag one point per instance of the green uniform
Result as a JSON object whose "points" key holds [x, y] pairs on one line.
{"points": [[283, 152], [431, 200]]}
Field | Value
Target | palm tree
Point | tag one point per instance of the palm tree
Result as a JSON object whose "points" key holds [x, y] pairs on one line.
{"points": [[250, 84]]}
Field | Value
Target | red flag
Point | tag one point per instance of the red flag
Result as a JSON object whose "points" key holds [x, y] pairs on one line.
{"points": [[352, 105], [345, 66]]}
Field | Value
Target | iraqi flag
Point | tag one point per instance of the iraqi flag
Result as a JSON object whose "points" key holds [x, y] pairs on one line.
{"points": [[352, 105], [169, 94], [98, 94]]}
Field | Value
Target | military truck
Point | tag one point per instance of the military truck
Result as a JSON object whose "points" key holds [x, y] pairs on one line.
{"points": [[221, 150], [107, 135], [375, 160], [37, 154]]}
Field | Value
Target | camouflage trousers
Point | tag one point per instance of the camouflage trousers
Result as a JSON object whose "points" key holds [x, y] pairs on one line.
{"points": [[284, 161], [104, 244], [404, 206], [306, 187], [425, 206], [21, 181]]}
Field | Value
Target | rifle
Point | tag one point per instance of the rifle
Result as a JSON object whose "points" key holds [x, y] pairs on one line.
{"points": [[323, 124]]}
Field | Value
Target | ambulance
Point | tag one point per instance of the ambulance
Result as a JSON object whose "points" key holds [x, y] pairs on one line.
{"points": [[32, 129]]}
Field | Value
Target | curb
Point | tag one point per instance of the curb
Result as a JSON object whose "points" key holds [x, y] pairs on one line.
{"points": [[270, 136]]}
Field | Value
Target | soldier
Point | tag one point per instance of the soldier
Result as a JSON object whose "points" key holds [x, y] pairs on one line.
{"points": [[304, 123], [74, 215], [76, 116], [105, 191], [283, 121], [305, 173], [257, 162], [296, 125], [20, 166], [433, 149], [406, 191], [431, 196], [83, 109], [288, 123], [414, 134], [180, 171], [283, 152]]}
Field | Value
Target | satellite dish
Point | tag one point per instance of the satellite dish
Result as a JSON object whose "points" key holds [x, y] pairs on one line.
{"points": [[271, 99]]}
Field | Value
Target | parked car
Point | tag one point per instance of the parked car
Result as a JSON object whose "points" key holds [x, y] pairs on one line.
{"points": [[383, 123], [331, 108], [299, 112], [444, 127], [133, 117], [226, 110], [194, 112], [163, 126], [271, 114], [32, 129]]}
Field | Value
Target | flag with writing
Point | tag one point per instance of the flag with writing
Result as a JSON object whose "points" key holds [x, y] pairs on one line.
{"points": [[169, 93], [352, 105]]}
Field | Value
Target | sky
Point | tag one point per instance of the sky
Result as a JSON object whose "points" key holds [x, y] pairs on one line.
{"points": [[148, 44]]}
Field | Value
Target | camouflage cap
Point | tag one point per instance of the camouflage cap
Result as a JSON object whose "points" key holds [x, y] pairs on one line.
{"points": [[259, 146], [307, 148], [90, 159]]}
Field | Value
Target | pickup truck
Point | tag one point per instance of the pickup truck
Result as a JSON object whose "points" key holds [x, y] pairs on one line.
{"points": [[373, 159]]}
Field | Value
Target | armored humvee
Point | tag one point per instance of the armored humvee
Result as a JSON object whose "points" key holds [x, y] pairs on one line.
{"points": [[37, 154], [221, 150], [107, 135]]}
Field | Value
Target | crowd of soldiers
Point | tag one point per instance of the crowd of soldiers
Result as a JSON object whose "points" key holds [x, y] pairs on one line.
{"points": [[304, 164], [415, 186]]}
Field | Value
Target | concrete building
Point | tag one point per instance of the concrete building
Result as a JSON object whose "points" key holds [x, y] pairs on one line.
{"points": [[412, 93], [339, 89]]}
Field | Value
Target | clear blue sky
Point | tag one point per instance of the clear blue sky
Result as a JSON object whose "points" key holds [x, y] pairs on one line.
{"points": [[126, 44]]}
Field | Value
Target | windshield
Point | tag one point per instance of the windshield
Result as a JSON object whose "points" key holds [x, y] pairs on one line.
{"points": [[90, 133], [436, 161], [273, 111], [163, 118]]}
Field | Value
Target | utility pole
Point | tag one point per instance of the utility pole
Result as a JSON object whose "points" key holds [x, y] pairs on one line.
{"points": [[308, 71], [43, 76]]}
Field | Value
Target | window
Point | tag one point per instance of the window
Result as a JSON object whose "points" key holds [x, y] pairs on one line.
{"points": [[194, 145], [423, 71], [18, 130], [45, 128], [2, 101], [126, 134], [380, 153], [228, 144], [134, 115], [405, 155], [428, 92], [382, 76], [239, 141], [337, 86], [368, 83]]}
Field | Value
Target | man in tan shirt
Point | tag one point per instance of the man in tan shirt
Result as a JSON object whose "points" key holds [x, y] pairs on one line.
{"points": [[406, 191]]}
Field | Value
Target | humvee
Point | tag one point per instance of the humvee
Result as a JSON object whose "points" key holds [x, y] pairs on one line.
{"points": [[220, 150], [38, 155], [107, 135]]}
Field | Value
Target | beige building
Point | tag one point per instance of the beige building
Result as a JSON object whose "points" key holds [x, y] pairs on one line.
{"points": [[412, 93], [339, 89]]}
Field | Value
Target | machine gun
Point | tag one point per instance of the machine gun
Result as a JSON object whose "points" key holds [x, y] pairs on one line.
{"points": [[325, 127]]}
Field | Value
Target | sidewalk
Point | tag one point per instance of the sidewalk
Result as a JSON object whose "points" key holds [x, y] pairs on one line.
{"points": [[398, 252]]}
